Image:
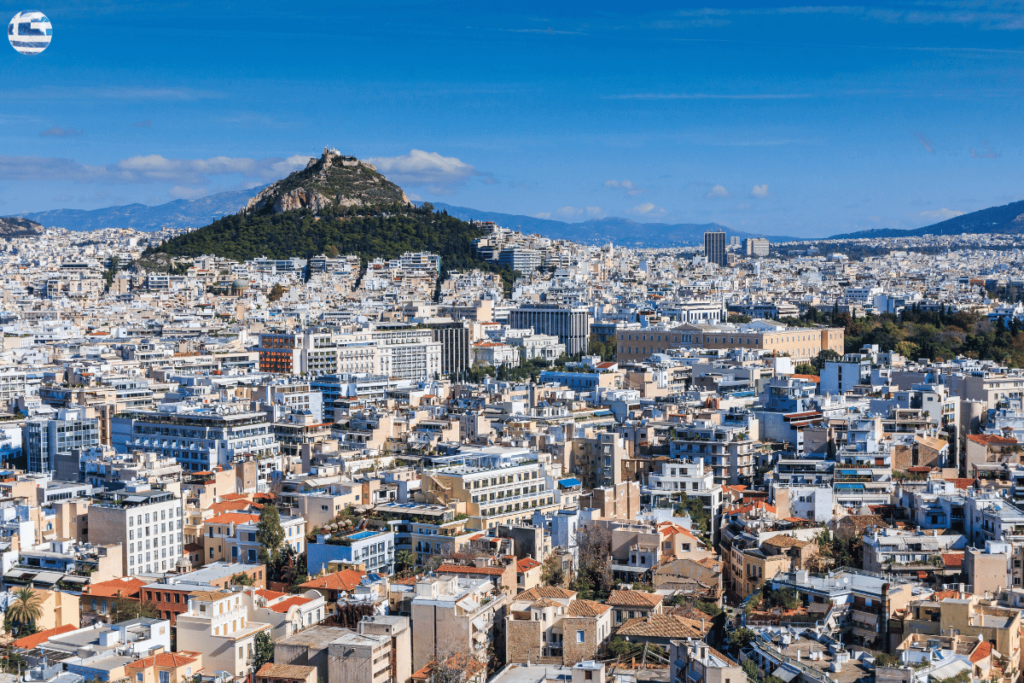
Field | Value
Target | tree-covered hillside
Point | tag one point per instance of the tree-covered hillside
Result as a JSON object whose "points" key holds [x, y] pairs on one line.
{"points": [[384, 232]]}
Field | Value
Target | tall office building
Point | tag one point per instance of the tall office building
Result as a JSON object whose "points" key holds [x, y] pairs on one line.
{"points": [[570, 325], [714, 247], [44, 437], [454, 340]]}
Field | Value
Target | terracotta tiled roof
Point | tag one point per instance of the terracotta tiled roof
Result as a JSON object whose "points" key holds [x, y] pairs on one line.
{"points": [[467, 569], [270, 595], [293, 671], [526, 564], [233, 518], [953, 559], [285, 605], [37, 639], [546, 602], [127, 587], [986, 439], [662, 626], [586, 608], [407, 581], [345, 580], [962, 483], [538, 592], [633, 599], [984, 649], [165, 659], [233, 505], [784, 541]]}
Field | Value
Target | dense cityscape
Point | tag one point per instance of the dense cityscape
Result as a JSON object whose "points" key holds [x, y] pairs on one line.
{"points": [[748, 461]]}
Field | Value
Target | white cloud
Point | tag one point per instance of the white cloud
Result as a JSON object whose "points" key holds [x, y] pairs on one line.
{"points": [[442, 175], [151, 168], [648, 209], [627, 185], [941, 214], [595, 211], [569, 211], [759, 191], [717, 191], [543, 214]]}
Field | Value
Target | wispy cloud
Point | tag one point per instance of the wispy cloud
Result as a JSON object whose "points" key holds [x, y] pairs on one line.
{"points": [[711, 96], [986, 15], [759, 191], [716, 192], [440, 174], [546, 31], [630, 189], [989, 153], [58, 132], [941, 214], [925, 142]]}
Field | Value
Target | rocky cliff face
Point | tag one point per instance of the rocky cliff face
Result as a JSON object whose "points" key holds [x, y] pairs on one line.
{"points": [[18, 227], [331, 180]]}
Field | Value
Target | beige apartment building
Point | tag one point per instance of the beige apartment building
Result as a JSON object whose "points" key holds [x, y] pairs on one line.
{"points": [[451, 616], [495, 486], [800, 343], [217, 625]]}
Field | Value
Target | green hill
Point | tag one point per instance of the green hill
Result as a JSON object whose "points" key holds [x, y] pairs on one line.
{"points": [[328, 207]]}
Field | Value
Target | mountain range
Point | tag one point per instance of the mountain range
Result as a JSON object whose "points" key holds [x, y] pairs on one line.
{"points": [[181, 213], [1006, 220], [621, 231], [184, 213]]}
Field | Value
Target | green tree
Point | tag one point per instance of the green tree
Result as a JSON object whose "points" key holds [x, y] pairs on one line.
{"points": [[126, 609], [551, 572], [740, 638], [270, 534], [405, 558], [26, 608], [241, 579], [806, 369], [263, 650], [276, 292]]}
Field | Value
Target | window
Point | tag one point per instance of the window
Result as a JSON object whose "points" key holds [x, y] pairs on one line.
{"points": [[581, 637], [165, 677], [138, 677]]}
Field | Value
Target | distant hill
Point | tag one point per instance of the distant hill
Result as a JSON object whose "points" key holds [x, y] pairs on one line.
{"points": [[181, 213], [336, 205], [621, 231], [18, 227], [1005, 220]]}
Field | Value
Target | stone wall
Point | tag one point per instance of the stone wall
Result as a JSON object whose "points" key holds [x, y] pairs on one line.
{"points": [[523, 641], [574, 651]]}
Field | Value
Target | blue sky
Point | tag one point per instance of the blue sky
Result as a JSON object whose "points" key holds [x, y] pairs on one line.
{"points": [[773, 117]]}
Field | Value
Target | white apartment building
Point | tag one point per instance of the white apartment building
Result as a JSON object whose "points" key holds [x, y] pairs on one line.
{"points": [[198, 436], [146, 522]]}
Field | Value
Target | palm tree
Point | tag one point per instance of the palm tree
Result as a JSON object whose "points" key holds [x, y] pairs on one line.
{"points": [[406, 558], [26, 608]]}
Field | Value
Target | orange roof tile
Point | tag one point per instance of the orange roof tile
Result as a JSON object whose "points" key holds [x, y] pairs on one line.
{"points": [[466, 569], [526, 564], [270, 595], [983, 650], [233, 518], [345, 580], [125, 587], [633, 598], [285, 605], [953, 559], [166, 659], [37, 639], [986, 439]]}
